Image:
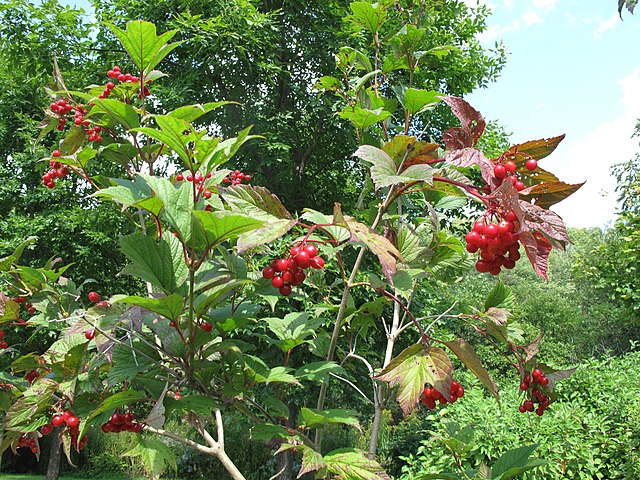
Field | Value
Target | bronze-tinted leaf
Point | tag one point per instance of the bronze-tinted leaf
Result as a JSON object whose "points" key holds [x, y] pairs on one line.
{"points": [[538, 248], [538, 149], [467, 355], [472, 124], [545, 195], [546, 221]]}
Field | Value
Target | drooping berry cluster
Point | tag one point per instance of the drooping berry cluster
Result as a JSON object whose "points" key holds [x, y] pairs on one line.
{"points": [[430, 395], [287, 272], [61, 107], [498, 243], [3, 342], [505, 168], [121, 422], [535, 394], [73, 423], [199, 180], [32, 376], [116, 74], [237, 177], [57, 170], [29, 442]]}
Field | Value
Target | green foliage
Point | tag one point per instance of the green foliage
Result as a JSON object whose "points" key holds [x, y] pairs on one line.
{"points": [[590, 433]]}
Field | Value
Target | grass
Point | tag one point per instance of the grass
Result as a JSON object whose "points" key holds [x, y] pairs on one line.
{"points": [[15, 476]]}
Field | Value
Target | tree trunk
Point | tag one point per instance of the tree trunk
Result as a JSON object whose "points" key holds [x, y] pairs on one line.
{"points": [[53, 468]]}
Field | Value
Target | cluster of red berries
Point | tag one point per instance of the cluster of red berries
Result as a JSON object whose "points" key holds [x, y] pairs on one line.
{"points": [[498, 243], [117, 74], [505, 168], [236, 177], [288, 271], [121, 422], [537, 377], [61, 107], [73, 423], [3, 342], [199, 180], [430, 395], [57, 170], [30, 442]]}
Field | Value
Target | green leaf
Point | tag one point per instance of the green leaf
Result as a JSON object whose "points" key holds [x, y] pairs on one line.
{"points": [[136, 193], [152, 261], [351, 464], [328, 83], [127, 364], [31, 405], [190, 113], [384, 168], [121, 112], [363, 118], [170, 307], [369, 16], [468, 356], [340, 234], [214, 228], [7, 262], [156, 456], [515, 458], [418, 100], [143, 45], [292, 330], [413, 369], [171, 134], [311, 460], [318, 371], [500, 296], [266, 432], [315, 418]]}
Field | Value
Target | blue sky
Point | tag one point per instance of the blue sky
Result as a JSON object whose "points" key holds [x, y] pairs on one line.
{"points": [[573, 68]]}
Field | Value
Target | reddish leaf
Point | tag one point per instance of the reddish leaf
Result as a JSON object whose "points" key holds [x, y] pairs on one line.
{"points": [[546, 221], [423, 153], [532, 349], [538, 248], [509, 199], [412, 369], [387, 254], [472, 124], [539, 175], [545, 195], [468, 157], [538, 149], [468, 356]]}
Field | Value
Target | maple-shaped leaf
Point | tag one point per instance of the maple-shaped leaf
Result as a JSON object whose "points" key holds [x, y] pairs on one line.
{"points": [[538, 248], [416, 366], [545, 221], [352, 464], [468, 157], [472, 125]]}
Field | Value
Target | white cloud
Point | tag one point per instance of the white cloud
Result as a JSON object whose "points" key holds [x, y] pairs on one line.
{"points": [[531, 18], [604, 25], [591, 157], [547, 5], [495, 32], [508, 4]]}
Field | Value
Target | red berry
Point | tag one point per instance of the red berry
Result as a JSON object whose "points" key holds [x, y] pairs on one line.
{"points": [[510, 166], [268, 272], [499, 171], [94, 297], [519, 186], [303, 260], [511, 216], [56, 153], [3, 344], [90, 334], [491, 231], [524, 386], [206, 326], [1, 334], [311, 249], [57, 420], [544, 381], [522, 409], [282, 264], [531, 164], [285, 290], [179, 177], [46, 429], [277, 282], [288, 276], [479, 227], [317, 263]]}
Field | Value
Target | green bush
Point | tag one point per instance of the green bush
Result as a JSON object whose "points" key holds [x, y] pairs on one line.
{"points": [[592, 432]]}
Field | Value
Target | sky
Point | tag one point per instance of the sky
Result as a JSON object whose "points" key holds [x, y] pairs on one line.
{"points": [[573, 68]]}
